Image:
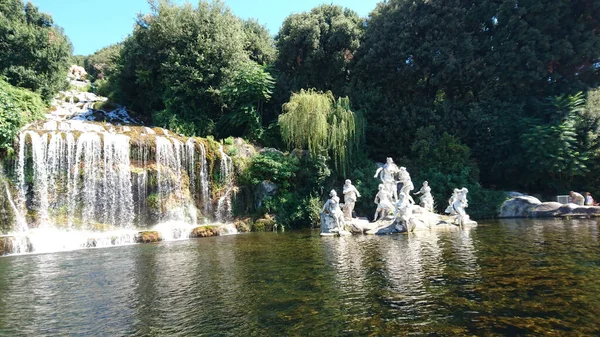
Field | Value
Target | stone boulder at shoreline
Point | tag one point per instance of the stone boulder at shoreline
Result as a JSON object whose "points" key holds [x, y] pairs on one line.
{"points": [[531, 207], [519, 206]]}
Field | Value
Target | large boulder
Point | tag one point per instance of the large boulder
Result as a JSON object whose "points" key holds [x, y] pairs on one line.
{"points": [[245, 150], [206, 231], [147, 237], [530, 207], [77, 72], [267, 223], [519, 207], [555, 209]]}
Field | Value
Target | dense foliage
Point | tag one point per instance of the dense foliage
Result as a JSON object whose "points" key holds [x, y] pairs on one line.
{"points": [[483, 72], [325, 126], [300, 181], [179, 60], [316, 49], [17, 108], [34, 53], [102, 63]]}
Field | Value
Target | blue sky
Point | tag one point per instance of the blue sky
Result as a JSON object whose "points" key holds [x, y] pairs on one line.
{"points": [[94, 24]]}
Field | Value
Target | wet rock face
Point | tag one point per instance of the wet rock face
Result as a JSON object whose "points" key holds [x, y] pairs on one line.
{"points": [[7, 216], [5, 245]]}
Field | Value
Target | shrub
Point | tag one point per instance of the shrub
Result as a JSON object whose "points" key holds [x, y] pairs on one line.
{"points": [[17, 108]]}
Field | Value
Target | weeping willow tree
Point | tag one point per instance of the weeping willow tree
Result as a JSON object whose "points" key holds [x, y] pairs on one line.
{"points": [[318, 122]]}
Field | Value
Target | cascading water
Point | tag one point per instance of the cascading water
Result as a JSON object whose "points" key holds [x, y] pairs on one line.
{"points": [[224, 206], [81, 184], [117, 194], [204, 182]]}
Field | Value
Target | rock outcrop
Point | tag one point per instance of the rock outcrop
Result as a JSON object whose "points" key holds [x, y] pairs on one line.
{"points": [[518, 207], [530, 207]]}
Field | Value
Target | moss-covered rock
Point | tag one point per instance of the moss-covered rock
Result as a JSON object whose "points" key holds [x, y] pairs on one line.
{"points": [[148, 237], [243, 225], [6, 245], [7, 215], [264, 224], [205, 231]]}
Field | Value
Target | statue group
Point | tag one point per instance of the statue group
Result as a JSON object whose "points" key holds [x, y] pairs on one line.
{"points": [[393, 199]]}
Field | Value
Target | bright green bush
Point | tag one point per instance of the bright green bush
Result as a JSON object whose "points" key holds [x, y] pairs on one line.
{"points": [[34, 53], [17, 107], [300, 182]]}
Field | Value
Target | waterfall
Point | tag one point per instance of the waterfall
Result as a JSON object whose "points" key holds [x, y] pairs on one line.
{"points": [[142, 157], [191, 165], [82, 184], [87, 160], [224, 206], [117, 195], [20, 220], [168, 173], [204, 183], [40, 176]]}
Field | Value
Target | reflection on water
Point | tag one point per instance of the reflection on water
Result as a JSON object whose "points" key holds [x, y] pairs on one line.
{"points": [[501, 278]]}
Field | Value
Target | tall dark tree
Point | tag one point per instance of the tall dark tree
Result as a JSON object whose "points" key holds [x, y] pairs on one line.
{"points": [[478, 70], [316, 49], [259, 43]]}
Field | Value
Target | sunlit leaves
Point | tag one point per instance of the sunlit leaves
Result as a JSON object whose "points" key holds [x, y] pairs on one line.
{"points": [[318, 122]]}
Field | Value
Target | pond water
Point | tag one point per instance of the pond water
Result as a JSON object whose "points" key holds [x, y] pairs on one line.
{"points": [[501, 278]]}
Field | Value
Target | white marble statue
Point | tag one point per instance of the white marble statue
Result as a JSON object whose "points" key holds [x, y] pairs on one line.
{"points": [[351, 194], [407, 184], [332, 218], [426, 199], [387, 174], [384, 204], [404, 207], [450, 210], [458, 202]]}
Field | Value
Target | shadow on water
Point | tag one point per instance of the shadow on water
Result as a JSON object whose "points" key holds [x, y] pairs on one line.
{"points": [[506, 277]]}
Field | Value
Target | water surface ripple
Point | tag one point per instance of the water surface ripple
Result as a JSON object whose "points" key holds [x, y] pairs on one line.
{"points": [[511, 277]]}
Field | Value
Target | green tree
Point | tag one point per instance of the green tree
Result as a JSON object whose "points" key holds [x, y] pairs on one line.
{"points": [[558, 150], [34, 53], [325, 126], [178, 59], [316, 49], [103, 63], [478, 70], [259, 43], [244, 98]]}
